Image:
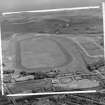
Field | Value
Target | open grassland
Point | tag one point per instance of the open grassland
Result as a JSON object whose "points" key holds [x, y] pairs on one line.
{"points": [[77, 23], [62, 52], [93, 49]]}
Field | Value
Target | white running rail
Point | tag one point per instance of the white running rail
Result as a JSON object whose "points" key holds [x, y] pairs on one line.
{"points": [[51, 10]]}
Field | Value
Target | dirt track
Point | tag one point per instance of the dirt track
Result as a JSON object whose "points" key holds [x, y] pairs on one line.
{"points": [[67, 47]]}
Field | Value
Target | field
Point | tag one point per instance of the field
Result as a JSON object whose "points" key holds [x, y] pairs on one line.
{"points": [[74, 23], [64, 42], [43, 53]]}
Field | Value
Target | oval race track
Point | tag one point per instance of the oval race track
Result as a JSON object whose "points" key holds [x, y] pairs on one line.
{"points": [[65, 57]]}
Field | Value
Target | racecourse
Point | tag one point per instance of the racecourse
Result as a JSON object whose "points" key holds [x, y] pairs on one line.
{"points": [[65, 46]]}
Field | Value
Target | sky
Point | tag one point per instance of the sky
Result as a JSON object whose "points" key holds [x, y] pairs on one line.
{"points": [[23, 5]]}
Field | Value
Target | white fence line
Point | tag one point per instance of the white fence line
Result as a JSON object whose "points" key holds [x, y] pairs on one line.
{"points": [[1, 67], [103, 11], [53, 93], [51, 10]]}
